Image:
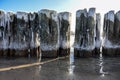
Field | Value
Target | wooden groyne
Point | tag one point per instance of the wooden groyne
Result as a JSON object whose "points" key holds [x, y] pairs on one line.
{"points": [[47, 32]]}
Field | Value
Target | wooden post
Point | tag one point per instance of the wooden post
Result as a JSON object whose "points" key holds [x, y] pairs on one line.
{"points": [[85, 33], [49, 33], [64, 28]]}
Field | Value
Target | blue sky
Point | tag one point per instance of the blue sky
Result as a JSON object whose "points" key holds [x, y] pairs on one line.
{"points": [[72, 6], [59, 5], [31, 5]]}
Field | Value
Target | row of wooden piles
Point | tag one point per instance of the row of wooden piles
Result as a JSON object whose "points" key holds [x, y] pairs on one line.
{"points": [[29, 34], [48, 32]]}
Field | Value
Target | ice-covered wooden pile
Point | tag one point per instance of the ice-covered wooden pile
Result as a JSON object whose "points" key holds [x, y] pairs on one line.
{"points": [[18, 34], [87, 33], [111, 30], [28, 34], [64, 28]]}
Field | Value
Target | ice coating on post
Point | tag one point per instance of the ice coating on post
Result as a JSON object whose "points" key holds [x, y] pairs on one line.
{"points": [[49, 32], [33, 39], [85, 33], [81, 42], [10, 33], [80, 12], [22, 15], [34, 30], [22, 25], [98, 28], [5, 31], [118, 15], [97, 36], [91, 28], [111, 45], [10, 26], [110, 15], [21, 29], [81, 26], [108, 29], [117, 29], [2, 27], [64, 28]]}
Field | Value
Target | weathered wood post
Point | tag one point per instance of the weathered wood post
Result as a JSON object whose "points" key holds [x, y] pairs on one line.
{"points": [[10, 24], [49, 33], [80, 32], [21, 40], [64, 28], [91, 30], [34, 42], [111, 34], [2, 25], [108, 30], [4, 28], [85, 33], [97, 35], [117, 33]]}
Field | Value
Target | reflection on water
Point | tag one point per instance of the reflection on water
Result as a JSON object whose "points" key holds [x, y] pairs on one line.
{"points": [[64, 69], [102, 66], [72, 66], [40, 56], [71, 57]]}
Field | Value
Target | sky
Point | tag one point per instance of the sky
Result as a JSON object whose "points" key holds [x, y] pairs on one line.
{"points": [[102, 6]]}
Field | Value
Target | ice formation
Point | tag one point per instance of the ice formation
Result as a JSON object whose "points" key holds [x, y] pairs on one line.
{"points": [[49, 33], [85, 29], [22, 15], [110, 16], [64, 27], [118, 15], [79, 12]]}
